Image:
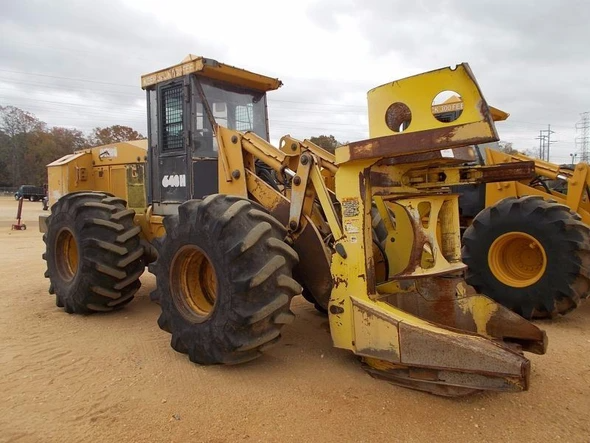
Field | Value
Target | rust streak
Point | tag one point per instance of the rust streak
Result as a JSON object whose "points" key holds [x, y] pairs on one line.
{"points": [[507, 172], [339, 280], [418, 142], [382, 179]]}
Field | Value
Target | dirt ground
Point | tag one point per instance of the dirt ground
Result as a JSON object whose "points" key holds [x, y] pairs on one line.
{"points": [[114, 378]]}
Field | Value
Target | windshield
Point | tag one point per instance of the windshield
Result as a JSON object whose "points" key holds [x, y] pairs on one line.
{"points": [[232, 107]]}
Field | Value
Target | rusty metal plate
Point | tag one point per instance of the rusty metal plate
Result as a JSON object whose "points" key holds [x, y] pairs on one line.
{"points": [[449, 301], [507, 172], [423, 141]]}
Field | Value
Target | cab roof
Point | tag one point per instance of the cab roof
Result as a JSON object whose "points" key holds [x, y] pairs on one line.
{"points": [[207, 67]]}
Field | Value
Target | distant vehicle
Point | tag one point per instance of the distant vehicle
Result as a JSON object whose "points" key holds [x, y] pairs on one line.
{"points": [[30, 192]]}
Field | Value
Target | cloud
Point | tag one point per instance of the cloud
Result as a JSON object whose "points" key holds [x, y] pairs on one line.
{"points": [[528, 57], [109, 45]]}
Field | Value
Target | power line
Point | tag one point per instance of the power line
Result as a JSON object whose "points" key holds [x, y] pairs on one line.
{"points": [[137, 87], [140, 112], [112, 103], [48, 86], [274, 104], [70, 78], [272, 101]]}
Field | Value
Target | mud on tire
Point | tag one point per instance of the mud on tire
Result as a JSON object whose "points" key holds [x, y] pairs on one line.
{"points": [[224, 279], [566, 243], [93, 253]]}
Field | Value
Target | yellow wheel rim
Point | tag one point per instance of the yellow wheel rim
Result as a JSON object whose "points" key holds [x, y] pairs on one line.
{"points": [[517, 259], [66, 255], [193, 283]]}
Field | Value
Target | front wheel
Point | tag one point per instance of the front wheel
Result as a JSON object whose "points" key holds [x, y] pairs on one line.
{"points": [[224, 279], [529, 255]]}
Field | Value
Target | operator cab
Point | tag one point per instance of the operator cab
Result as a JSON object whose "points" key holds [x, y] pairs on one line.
{"points": [[185, 104]]}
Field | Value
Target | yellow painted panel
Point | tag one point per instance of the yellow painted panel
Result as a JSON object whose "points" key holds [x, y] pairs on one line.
{"points": [[118, 182], [70, 173], [375, 333], [418, 93], [101, 179]]}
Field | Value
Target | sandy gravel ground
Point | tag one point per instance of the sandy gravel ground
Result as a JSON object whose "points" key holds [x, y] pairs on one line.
{"points": [[114, 378]]}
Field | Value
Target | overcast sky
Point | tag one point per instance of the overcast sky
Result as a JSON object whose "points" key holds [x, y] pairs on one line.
{"points": [[77, 63]]}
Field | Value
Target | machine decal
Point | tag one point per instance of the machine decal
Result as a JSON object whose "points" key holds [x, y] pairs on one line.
{"points": [[106, 153], [174, 181]]}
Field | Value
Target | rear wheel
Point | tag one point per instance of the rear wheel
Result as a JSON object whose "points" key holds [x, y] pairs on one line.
{"points": [[530, 255], [93, 253], [224, 279]]}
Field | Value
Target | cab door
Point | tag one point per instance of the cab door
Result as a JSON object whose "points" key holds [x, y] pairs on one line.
{"points": [[170, 179]]}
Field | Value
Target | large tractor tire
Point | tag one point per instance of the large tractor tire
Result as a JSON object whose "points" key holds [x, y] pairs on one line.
{"points": [[530, 255], [224, 279], [93, 253]]}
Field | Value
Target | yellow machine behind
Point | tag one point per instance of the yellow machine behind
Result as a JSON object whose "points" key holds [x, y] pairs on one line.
{"points": [[116, 168], [575, 193], [234, 228], [529, 248]]}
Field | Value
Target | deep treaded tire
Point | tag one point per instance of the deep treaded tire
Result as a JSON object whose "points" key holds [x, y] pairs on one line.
{"points": [[93, 253], [224, 279], [563, 280]]}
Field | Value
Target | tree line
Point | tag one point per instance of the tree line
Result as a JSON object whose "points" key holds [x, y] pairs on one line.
{"points": [[27, 145]]}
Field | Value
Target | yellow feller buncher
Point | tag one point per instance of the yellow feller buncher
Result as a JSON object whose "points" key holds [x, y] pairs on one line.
{"points": [[233, 228], [529, 249]]}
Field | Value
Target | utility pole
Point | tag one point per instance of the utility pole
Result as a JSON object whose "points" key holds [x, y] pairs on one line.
{"points": [[545, 143], [542, 138], [549, 132], [583, 137], [573, 157]]}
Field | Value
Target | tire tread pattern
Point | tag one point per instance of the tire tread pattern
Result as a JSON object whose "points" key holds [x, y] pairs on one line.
{"points": [[566, 241], [254, 270], [111, 258]]}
